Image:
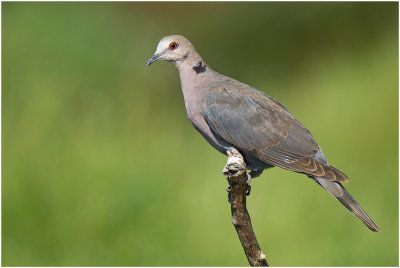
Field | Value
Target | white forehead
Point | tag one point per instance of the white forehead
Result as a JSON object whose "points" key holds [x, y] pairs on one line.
{"points": [[163, 44]]}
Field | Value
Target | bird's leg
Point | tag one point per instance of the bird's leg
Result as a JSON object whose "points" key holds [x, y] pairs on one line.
{"points": [[254, 173]]}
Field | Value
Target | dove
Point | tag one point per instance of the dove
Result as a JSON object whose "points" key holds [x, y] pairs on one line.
{"points": [[231, 115]]}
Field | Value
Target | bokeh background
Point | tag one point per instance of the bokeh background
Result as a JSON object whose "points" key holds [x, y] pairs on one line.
{"points": [[100, 166]]}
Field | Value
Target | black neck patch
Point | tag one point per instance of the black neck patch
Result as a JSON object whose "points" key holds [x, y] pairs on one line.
{"points": [[199, 68]]}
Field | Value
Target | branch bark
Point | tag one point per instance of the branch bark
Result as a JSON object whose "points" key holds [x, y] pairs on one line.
{"points": [[235, 171]]}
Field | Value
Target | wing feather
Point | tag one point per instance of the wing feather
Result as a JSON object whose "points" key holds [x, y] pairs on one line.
{"points": [[257, 124]]}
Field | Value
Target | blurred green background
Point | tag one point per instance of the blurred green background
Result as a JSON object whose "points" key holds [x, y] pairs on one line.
{"points": [[100, 166]]}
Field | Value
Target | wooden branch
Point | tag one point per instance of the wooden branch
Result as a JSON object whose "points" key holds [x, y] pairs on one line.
{"points": [[237, 178]]}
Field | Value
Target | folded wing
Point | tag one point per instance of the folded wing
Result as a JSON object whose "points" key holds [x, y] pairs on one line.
{"points": [[258, 125]]}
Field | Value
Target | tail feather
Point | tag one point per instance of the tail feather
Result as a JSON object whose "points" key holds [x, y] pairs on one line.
{"points": [[339, 192]]}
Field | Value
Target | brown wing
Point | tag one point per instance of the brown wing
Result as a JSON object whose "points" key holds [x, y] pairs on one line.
{"points": [[259, 125]]}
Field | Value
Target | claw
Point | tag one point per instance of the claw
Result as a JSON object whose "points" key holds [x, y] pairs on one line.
{"points": [[248, 190], [249, 178]]}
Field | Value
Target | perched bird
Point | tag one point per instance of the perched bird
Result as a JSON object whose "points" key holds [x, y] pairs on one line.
{"points": [[230, 114]]}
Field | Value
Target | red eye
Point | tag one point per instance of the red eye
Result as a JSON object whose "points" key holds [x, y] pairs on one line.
{"points": [[173, 46]]}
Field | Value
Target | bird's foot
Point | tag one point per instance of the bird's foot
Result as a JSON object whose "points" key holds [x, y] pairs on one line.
{"points": [[229, 189], [253, 174], [235, 165], [248, 189]]}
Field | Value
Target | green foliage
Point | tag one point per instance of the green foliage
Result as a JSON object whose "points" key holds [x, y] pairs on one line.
{"points": [[100, 166]]}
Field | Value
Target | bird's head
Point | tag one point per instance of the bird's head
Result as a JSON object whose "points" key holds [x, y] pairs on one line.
{"points": [[172, 48]]}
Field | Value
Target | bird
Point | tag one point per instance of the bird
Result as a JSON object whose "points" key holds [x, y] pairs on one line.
{"points": [[231, 115]]}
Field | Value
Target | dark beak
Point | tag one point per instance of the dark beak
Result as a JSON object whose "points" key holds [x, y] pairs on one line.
{"points": [[152, 59]]}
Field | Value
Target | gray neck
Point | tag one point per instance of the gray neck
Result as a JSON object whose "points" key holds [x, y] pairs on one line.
{"points": [[194, 73], [195, 77]]}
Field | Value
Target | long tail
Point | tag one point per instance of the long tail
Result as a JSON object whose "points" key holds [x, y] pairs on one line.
{"points": [[340, 193]]}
